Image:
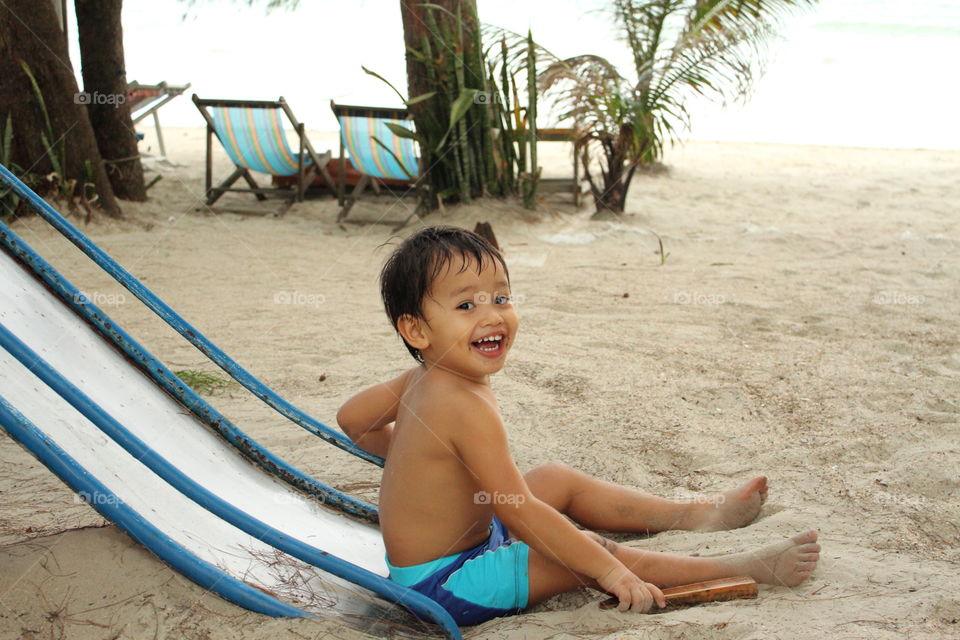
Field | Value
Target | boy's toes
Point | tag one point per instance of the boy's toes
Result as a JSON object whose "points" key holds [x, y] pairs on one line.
{"points": [[807, 538], [757, 485]]}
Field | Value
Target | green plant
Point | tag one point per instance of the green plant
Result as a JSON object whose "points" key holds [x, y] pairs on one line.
{"points": [[57, 150], [202, 382], [464, 125], [680, 48], [448, 117], [663, 256], [533, 175], [9, 201], [74, 191], [515, 126]]}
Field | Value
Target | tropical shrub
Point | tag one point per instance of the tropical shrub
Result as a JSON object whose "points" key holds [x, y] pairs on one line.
{"points": [[680, 49]]}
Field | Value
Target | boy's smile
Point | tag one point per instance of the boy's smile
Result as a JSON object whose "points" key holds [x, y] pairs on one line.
{"points": [[469, 322], [491, 346]]}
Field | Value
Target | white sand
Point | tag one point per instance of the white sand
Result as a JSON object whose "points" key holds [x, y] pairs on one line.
{"points": [[803, 326]]}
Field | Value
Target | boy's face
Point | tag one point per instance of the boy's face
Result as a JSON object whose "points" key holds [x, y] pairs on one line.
{"points": [[470, 321]]}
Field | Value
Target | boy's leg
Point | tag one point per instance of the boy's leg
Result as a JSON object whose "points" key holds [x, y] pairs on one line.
{"points": [[605, 506], [786, 563]]}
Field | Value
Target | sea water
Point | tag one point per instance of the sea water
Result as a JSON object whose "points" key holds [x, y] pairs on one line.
{"points": [[877, 73]]}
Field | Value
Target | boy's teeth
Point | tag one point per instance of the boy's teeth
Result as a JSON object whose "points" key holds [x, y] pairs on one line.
{"points": [[491, 343]]}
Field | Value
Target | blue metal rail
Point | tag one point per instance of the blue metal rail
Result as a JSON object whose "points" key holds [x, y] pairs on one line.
{"points": [[259, 529], [180, 325], [109, 329], [115, 510]]}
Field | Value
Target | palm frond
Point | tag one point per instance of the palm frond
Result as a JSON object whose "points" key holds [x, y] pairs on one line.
{"points": [[645, 25], [516, 45], [712, 48], [729, 38]]}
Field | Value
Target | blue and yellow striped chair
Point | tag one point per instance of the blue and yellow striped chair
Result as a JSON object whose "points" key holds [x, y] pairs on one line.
{"points": [[251, 132], [380, 155]]}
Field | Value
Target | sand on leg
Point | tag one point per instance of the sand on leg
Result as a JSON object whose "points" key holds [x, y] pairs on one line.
{"points": [[604, 506], [786, 563]]}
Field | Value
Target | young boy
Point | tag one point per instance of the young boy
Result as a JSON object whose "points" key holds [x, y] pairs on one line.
{"points": [[460, 523]]}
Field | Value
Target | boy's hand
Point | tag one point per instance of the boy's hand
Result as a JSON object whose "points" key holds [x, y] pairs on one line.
{"points": [[634, 594]]}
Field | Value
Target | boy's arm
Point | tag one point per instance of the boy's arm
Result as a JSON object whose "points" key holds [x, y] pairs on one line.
{"points": [[367, 417], [481, 442]]}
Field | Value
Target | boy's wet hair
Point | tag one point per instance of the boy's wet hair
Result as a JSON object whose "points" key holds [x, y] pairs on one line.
{"points": [[409, 273]]}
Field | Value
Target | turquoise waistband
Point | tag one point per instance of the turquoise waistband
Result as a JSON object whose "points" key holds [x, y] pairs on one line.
{"points": [[409, 576]]}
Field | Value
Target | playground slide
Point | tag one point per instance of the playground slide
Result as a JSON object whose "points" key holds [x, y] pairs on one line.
{"points": [[147, 463]]}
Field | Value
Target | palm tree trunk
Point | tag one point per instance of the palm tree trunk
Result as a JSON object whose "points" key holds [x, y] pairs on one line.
{"points": [[30, 33], [105, 80], [444, 56], [611, 200], [414, 31]]}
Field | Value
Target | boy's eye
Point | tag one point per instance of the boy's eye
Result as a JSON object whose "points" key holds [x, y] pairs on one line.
{"points": [[465, 306], [503, 299]]}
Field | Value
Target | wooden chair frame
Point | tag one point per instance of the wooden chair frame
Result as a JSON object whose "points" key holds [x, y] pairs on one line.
{"points": [[305, 174], [346, 202], [559, 185], [150, 104]]}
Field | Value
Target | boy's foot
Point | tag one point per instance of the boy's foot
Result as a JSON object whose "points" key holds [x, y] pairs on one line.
{"points": [[732, 509], [786, 563]]}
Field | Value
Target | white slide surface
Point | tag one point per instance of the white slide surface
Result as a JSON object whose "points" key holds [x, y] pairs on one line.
{"points": [[62, 338]]}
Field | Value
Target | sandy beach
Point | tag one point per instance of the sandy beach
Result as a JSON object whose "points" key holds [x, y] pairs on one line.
{"points": [[800, 326]]}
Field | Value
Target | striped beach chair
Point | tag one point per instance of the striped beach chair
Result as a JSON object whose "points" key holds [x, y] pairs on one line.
{"points": [[251, 132], [146, 99], [382, 157]]}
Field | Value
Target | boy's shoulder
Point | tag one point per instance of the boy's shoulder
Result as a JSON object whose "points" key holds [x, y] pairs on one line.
{"points": [[442, 398], [442, 385]]}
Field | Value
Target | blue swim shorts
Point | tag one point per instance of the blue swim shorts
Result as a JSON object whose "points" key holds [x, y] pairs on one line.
{"points": [[487, 581]]}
